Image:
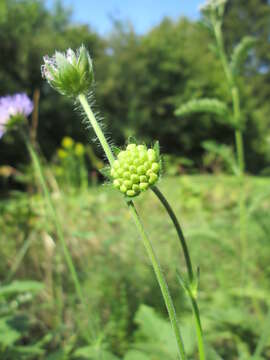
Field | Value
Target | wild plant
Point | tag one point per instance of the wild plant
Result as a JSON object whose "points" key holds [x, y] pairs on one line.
{"points": [[132, 171], [14, 111], [71, 161], [228, 114]]}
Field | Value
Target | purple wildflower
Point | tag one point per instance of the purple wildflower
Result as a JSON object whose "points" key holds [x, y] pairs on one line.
{"points": [[13, 105]]}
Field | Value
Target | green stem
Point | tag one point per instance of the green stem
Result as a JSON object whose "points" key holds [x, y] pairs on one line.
{"points": [[83, 100], [238, 132], [161, 279], [239, 144], [180, 234], [19, 258], [183, 243], [234, 94], [56, 221], [58, 228]]}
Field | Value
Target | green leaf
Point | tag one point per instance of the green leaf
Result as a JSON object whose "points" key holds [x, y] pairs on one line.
{"points": [[93, 353], [211, 106], [240, 53], [8, 333], [136, 355], [21, 287], [116, 150], [225, 152], [159, 342]]}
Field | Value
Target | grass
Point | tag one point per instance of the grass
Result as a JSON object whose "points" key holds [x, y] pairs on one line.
{"points": [[115, 273]]}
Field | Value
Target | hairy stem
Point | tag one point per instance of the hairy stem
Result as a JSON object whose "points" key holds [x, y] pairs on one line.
{"points": [[155, 264], [239, 143], [183, 243], [90, 115], [161, 279]]}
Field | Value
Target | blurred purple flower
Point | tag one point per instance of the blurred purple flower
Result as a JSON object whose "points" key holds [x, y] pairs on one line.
{"points": [[13, 105]]}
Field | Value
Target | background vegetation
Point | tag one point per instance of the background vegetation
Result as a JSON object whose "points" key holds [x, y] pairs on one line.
{"points": [[140, 81]]}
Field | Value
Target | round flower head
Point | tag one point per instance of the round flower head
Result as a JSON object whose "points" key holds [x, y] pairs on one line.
{"points": [[14, 108], [69, 73], [135, 169]]}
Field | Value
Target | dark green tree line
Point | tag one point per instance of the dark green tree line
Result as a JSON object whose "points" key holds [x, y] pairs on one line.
{"points": [[140, 80]]}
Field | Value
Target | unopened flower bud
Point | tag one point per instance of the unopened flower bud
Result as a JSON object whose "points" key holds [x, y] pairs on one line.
{"points": [[135, 169], [69, 73]]}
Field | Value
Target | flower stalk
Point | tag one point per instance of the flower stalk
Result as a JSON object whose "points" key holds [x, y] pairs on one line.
{"points": [[71, 74], [147, 244], [216, 23]]}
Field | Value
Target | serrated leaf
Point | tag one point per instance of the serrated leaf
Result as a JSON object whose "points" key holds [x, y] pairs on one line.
{"points": [[116, 150], [159, 341], [211, 106], [240, 53]]}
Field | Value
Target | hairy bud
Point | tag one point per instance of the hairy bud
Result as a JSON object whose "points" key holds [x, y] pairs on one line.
{"points": [[69, 73]]}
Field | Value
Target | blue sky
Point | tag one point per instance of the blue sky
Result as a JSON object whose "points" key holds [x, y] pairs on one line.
{"points": [[142, 13]]}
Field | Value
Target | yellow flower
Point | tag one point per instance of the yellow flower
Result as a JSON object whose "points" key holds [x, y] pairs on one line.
{"points": [[67, 142], [62, 154]]}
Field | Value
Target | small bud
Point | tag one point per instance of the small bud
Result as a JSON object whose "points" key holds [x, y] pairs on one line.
{"points": [[70, 74], [135, 169]]}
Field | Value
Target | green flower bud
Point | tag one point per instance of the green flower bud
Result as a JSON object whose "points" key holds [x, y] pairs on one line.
{"points": [[116, 183], [135, 169], [69, 73]]}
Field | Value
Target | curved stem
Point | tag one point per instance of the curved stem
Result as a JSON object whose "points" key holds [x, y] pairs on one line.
{"points": [[180, 234], [195, 308], [161, 279]]}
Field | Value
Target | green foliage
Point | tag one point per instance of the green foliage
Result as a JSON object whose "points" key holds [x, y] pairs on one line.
{"points": [[72, 163], [240, 53], [15, 326], [155, 337], [212, 106], [217, 153], [93, 353], [97, 237], [141, 78]]}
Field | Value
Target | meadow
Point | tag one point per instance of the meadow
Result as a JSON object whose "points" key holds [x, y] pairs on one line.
{"points": [[135, 196], [123, 299]]}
